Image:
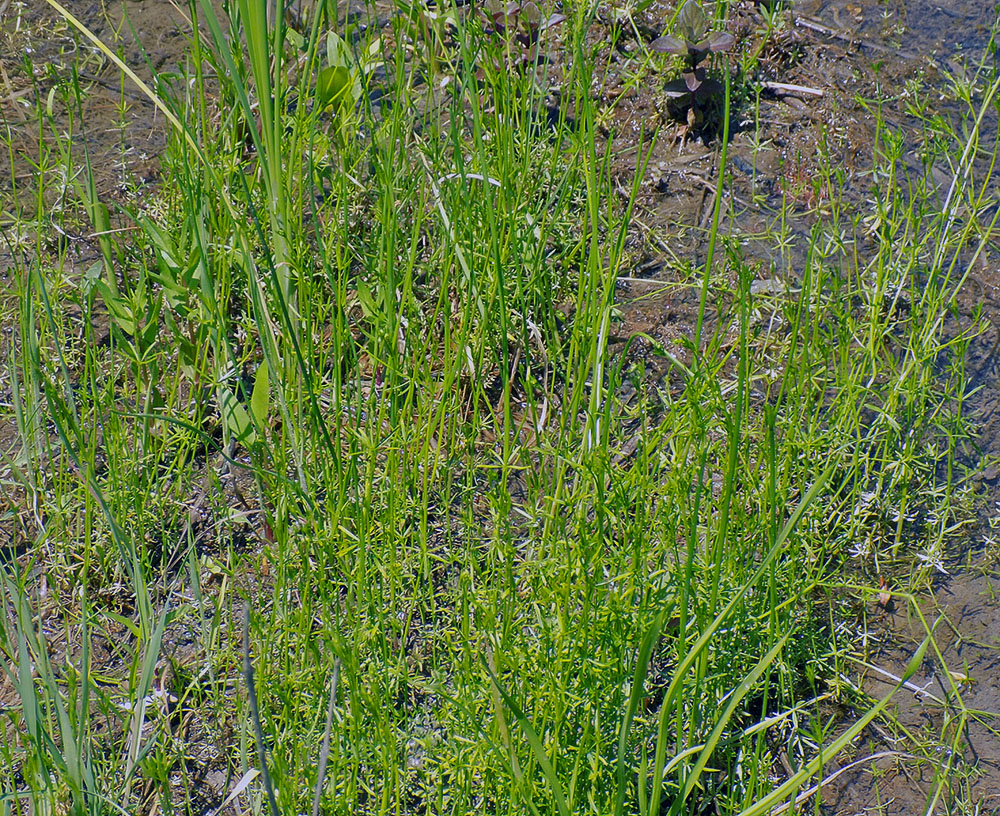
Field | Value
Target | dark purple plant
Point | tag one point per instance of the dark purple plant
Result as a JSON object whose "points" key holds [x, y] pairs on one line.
{"points": [[520, 21], [694, 41]]}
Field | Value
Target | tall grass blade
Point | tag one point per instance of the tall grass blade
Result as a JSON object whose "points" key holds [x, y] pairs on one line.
{"points": [[537, 748], [141, 694], [680, 673], [784, 790], [735, 699], [635, 699]]}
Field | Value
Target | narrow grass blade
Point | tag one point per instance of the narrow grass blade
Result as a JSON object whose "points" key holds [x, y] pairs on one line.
{"points": [[735, 699], [324, 751], [680, 673], [635, 698], [847, 738], [536, 745], [149, 659], [255, 714]]}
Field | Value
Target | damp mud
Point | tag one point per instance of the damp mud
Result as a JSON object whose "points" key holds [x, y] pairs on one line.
{"points": [[835, 56]]}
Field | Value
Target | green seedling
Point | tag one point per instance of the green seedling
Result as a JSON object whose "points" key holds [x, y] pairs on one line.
{"points": [[338, 85]]}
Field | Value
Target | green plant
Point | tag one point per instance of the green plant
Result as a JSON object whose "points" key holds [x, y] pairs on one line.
{"points": [[339, 85], [369, 382]]}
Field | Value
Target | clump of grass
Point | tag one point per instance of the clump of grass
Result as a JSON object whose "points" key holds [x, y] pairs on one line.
{"points": [[336, 390]]}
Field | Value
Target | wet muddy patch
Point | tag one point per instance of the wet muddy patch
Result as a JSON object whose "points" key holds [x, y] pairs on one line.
{"points": [[829, 65]]}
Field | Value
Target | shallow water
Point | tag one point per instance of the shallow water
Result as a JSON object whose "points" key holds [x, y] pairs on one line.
{"points": [[930, 40]]}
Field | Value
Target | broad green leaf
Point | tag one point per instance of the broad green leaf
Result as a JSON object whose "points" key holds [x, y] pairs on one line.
{"points": [[296, 39], [261, 394], [337, 53], [367, 300], [236, 418], [91, 275], [166, 252], [332, 86], [720, 41], [372, 56], [119, 309], [668, 45], [531, 15], [692, 22], [338, 85], [918, 655]]}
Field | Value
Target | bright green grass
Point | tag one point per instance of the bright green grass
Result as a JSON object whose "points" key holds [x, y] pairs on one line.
{"points": [[362, 316]]}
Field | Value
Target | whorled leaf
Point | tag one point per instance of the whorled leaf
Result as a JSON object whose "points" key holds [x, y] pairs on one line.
{"points": [[693, 38]]}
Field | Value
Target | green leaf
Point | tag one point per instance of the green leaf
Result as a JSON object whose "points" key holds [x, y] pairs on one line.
{"points": [[236, 418], [91, 275], [337, 53], [720, 41], [163, 246], [337, 88], [919, 654], [372, 56], [366, 300], [119, 309], [541, 756], [692, 22], [101, 216], [156, 400], [296, 39], [147, 337], [331, 86], [261, 395], [338, 85], [668, 45]]}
